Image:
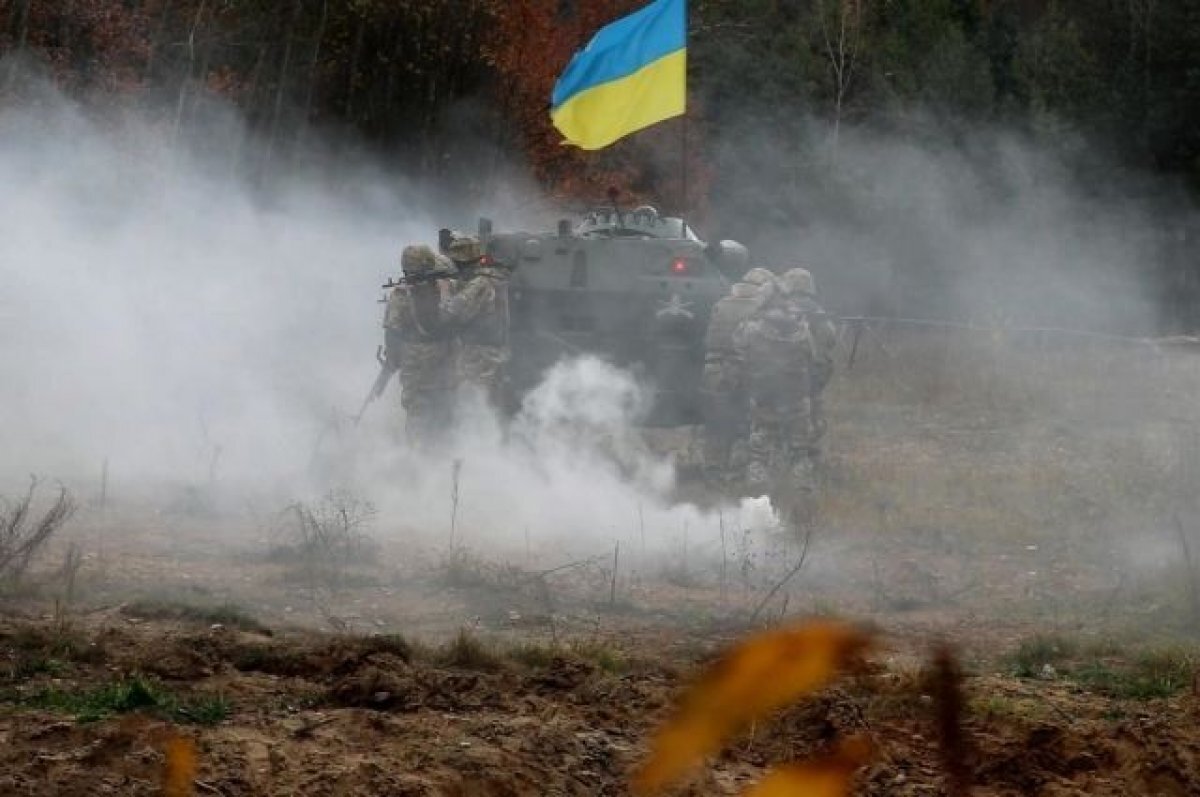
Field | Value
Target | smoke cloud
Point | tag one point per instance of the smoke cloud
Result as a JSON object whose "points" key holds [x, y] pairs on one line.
{"points": [[169, 320], [969, 223], [187, 326]]}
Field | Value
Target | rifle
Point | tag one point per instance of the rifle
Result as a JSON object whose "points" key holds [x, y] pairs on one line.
{"points": [[386, 370], [406, 279]]}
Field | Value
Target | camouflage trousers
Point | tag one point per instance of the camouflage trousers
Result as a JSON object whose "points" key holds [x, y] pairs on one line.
{"points": [[482, 369], [779, 450], [782, 458], [426, 391], [724, 404]]}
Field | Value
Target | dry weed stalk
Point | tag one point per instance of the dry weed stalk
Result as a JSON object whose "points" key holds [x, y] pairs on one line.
{"points": [[22, 536], [724, 556], [455, 476], [787, 577], [1193, 577], [612, 593]]}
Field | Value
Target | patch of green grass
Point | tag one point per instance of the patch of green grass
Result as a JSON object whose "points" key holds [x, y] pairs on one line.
{"points": [[226, 614], [1034, 653], [129, 695], [1153, 674]]}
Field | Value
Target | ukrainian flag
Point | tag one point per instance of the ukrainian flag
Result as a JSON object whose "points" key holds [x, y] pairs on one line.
{"points": [[632, 74]]}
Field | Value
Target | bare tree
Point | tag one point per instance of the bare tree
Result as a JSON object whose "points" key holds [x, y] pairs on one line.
{"points": [[841, 33]]}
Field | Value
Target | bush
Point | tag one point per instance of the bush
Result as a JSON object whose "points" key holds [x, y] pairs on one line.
{"points": [[324, 539], [23, 534]]}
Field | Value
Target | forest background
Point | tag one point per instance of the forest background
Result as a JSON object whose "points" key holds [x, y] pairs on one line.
{"points": [[784, 97]]}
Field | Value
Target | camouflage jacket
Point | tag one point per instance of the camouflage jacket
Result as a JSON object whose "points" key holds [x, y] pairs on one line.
{"points": [[776, 348], [824, 337], [478, 312], [413, 315], [727, 314]]}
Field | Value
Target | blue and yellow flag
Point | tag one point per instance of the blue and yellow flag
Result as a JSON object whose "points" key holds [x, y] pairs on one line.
{"points": [[632, 74]]}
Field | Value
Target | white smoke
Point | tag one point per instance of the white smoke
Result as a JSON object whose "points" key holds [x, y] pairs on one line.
{"points": [[165, 317]]}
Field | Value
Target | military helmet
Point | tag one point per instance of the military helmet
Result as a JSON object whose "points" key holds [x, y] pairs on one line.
{"points": [[798, 282], [758, 276], [417, 260], [464, 249]]}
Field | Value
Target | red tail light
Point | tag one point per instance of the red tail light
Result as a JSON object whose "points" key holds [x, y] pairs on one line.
{"points": [[679, 266]]}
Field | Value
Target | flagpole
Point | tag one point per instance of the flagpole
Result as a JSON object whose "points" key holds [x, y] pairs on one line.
{"points": [[683, 172], [683, 132]]}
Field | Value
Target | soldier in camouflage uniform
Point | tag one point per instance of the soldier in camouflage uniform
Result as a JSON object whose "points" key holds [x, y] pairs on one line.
{"points": [[776, 348], [800, 290], [420, 346], [478, 314], [723, 388]]}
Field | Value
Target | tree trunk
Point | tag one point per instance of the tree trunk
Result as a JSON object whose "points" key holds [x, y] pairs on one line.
{"points": [[281, 85], [157, 40], [316, 58], [186, 84], [244, 130], [359, 35], [21, 20]]}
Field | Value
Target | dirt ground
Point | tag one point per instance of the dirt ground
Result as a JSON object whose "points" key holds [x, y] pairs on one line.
{"points": [[1037, 524], [316, 714]]}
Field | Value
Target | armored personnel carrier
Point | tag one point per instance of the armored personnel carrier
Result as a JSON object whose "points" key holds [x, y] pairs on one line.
{"points": [[633, 287]]}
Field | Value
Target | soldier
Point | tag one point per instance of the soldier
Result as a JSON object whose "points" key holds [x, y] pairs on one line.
{"points": [[478, 314], [776, 348], [420, 346], [723, 389], [800, 292]]}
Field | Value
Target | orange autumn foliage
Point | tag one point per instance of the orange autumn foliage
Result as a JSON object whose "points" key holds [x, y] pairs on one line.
{"points": [[760, 675], [179, 773], [830, 776]]}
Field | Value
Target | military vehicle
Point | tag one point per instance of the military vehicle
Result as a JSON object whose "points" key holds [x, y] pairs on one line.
{"points": [[633, 287]]}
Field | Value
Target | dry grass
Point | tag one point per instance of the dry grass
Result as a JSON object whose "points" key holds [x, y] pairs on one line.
{"points": [[998, 437]]}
